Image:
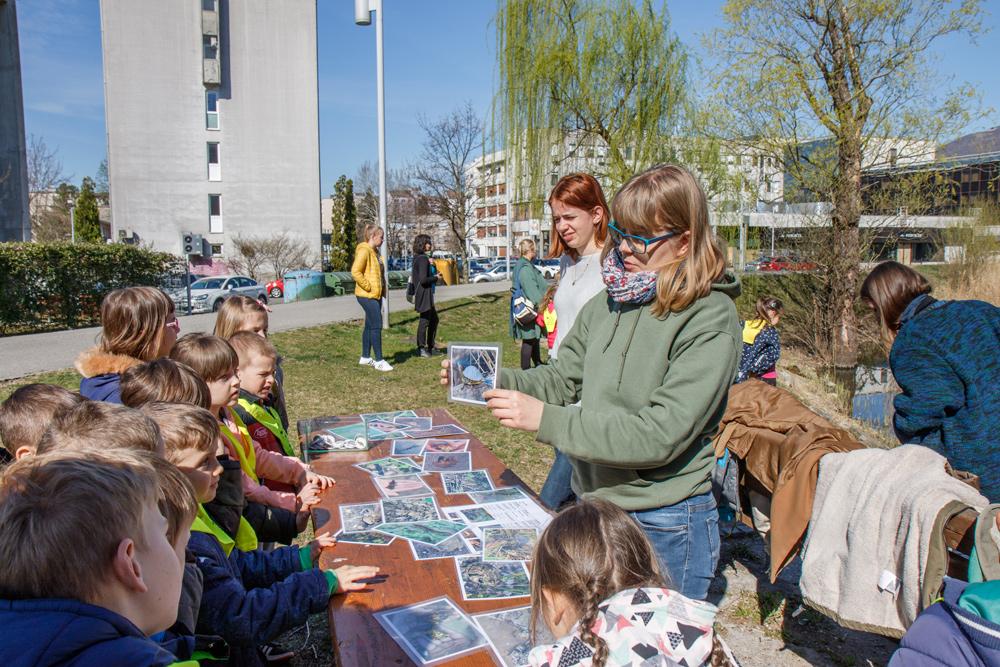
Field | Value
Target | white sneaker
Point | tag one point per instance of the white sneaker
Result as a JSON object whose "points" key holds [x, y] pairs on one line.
{"points": [[381, 365], [365, 361]]}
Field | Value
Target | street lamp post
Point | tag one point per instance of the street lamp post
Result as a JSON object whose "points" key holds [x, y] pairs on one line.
{"points": [[363, 10], [72, 220]]}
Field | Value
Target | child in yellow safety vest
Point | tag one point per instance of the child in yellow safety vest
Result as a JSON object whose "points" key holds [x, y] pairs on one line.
{"points": [[257, 364]]}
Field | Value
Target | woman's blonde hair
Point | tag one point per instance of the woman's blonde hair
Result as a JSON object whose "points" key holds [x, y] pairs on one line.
{"points": [[370, 231], [234, 315], [525, 246], [589, 552], [669, 198], [132, 321], [889, 289]]}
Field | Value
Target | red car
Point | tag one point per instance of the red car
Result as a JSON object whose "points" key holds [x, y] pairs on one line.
{"points": [[786, 263], [275, 288]]}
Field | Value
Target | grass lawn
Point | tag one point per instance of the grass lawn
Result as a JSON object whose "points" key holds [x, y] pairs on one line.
{"points": [[322, 376]]}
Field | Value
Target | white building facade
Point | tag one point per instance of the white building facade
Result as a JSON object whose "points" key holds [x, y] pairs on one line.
{"points": [[212, 117]]}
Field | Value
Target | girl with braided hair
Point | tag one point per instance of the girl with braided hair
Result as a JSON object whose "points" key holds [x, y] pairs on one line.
{"points": [[596, 585]]}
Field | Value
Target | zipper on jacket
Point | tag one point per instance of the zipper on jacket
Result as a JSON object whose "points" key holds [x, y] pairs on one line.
{"points": [[628, 344]]}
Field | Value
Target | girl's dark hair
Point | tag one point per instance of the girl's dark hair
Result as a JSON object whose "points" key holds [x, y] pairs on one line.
{"points": [[889, 289], [589, 552], [766, 303], [420, 244]]}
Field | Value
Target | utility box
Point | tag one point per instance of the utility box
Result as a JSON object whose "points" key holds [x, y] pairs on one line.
{"points": [[303, 286]]}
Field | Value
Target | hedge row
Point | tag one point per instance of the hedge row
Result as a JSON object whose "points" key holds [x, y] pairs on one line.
{"points": [[47, 286]]}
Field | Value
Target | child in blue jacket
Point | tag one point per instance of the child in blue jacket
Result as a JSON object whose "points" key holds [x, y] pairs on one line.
{"points": [[761, 344], [86, 598]]}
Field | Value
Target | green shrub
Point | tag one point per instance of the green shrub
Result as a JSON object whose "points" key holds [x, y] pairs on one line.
{"points": [[46, 286]]}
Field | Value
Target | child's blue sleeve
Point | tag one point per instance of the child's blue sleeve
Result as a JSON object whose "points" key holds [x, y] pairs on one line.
{"points": [[263, 568]]}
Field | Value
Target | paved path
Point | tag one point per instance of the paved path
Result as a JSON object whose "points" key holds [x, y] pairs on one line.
{"points": [[37, 353]]}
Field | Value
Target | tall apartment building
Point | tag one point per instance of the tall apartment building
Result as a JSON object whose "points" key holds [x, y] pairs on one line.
{"points": [[212, 117], [14, 222]]}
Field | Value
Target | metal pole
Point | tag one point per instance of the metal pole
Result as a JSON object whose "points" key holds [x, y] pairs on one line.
{"points": [[72, 224], [772, 239], [382, 199], [187, 280], [743, 241], [510, 216]]}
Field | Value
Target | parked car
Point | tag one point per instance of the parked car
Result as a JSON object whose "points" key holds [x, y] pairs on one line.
{"points": [[496, 274], [208, 293], [787, 263], [175, 281], [276, 288], [548, 267]]}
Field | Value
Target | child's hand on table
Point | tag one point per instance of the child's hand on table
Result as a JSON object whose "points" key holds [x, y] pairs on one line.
{"points": [[351, 577], [321, 542], [321, 481], [308, 495]]}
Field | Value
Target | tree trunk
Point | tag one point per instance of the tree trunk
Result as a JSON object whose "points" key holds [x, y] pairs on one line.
{"points": [[847, 257]]}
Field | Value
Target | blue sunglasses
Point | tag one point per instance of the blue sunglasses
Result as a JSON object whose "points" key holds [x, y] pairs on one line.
{"points": [[639, 245]]}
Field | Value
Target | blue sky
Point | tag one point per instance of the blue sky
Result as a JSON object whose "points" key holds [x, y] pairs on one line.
{"points": [[438, 54]]}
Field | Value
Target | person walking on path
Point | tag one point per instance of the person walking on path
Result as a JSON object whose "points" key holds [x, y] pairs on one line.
{"points": [[652, 360], [945, 356], [579, 231], [369, 288], [532, 286], [424, 278]]}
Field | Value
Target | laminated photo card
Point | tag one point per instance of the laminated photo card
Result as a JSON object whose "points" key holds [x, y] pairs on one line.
{"points": [[360, 517], [368, 537], [453, 546], [466, 482], [508, 544], [509, 634], [389, 467], [441, 445], [387, 416], [403, 485], [482, 580], [432, 631], [409, 509], [474, 371], [447, 461], [429, 532], [408, 447]]}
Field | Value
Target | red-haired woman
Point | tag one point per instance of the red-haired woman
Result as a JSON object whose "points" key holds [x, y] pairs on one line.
{"points": [[579, 230]]}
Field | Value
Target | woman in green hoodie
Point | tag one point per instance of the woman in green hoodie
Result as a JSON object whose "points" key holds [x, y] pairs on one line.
{"points": [[651, 359]]}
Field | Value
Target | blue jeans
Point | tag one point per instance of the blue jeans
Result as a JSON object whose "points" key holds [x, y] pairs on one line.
{"points": [[685, 538], [557, 489], [371, 335]]}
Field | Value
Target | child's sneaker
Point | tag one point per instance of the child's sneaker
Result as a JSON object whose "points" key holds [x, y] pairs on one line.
{"points": [[382, 365], [275, 653], [365, 361]]}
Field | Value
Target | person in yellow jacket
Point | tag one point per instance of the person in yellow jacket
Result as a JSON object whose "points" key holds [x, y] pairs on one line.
{"points": [[369, 288]]}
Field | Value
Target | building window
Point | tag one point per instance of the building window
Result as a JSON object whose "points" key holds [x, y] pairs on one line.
{"points": [[212, 110], [210, 47], [208, 5], [215, 214], [214, 163], [216, 250]]}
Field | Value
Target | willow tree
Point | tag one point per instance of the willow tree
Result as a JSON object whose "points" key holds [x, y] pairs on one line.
{"points": [[828, 88], [597, 71]]}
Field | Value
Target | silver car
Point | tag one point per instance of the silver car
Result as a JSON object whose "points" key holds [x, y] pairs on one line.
{"points": [[496, 274], [208, 293]]}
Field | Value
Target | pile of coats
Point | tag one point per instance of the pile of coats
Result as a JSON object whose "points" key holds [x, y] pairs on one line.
{"points": [[868, 524]]}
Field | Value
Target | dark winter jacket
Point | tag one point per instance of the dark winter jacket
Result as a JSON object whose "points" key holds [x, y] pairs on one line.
{"points": [[251, 597], [101, 373], [950, 634], [946, 359], [424, 277], [761, 355], [533, 286], [69, 633]]}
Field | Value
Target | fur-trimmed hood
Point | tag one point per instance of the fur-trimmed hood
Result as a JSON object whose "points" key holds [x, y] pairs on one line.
{"points": [[94, 362], [101, 373]]}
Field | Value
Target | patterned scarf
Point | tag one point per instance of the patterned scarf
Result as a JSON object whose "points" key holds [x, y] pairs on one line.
{"points": [[624, 287]]}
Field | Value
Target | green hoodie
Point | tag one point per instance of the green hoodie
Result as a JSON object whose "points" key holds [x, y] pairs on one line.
{"points": [[652, 393]]}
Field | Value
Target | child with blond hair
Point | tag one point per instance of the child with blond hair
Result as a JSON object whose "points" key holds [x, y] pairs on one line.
{"points": [[216, 361]]}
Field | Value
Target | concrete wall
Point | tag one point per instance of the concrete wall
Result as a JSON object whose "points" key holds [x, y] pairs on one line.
{"points": [[268, 109], [15, 225]]}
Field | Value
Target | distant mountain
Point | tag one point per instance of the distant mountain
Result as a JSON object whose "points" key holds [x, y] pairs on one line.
{"points": [[987, 141]]}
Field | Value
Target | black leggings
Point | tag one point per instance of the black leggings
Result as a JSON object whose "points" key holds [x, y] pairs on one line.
{"points": [[531, 352], [427, 329]]}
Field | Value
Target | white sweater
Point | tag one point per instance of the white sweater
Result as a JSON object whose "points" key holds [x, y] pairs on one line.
{"points": [[579, 281]]}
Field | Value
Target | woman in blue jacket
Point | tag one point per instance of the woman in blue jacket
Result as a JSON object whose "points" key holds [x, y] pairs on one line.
{"points": [[945, 356]]}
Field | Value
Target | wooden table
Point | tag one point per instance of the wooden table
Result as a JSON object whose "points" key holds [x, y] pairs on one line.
{"points": [[357, 637]]}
